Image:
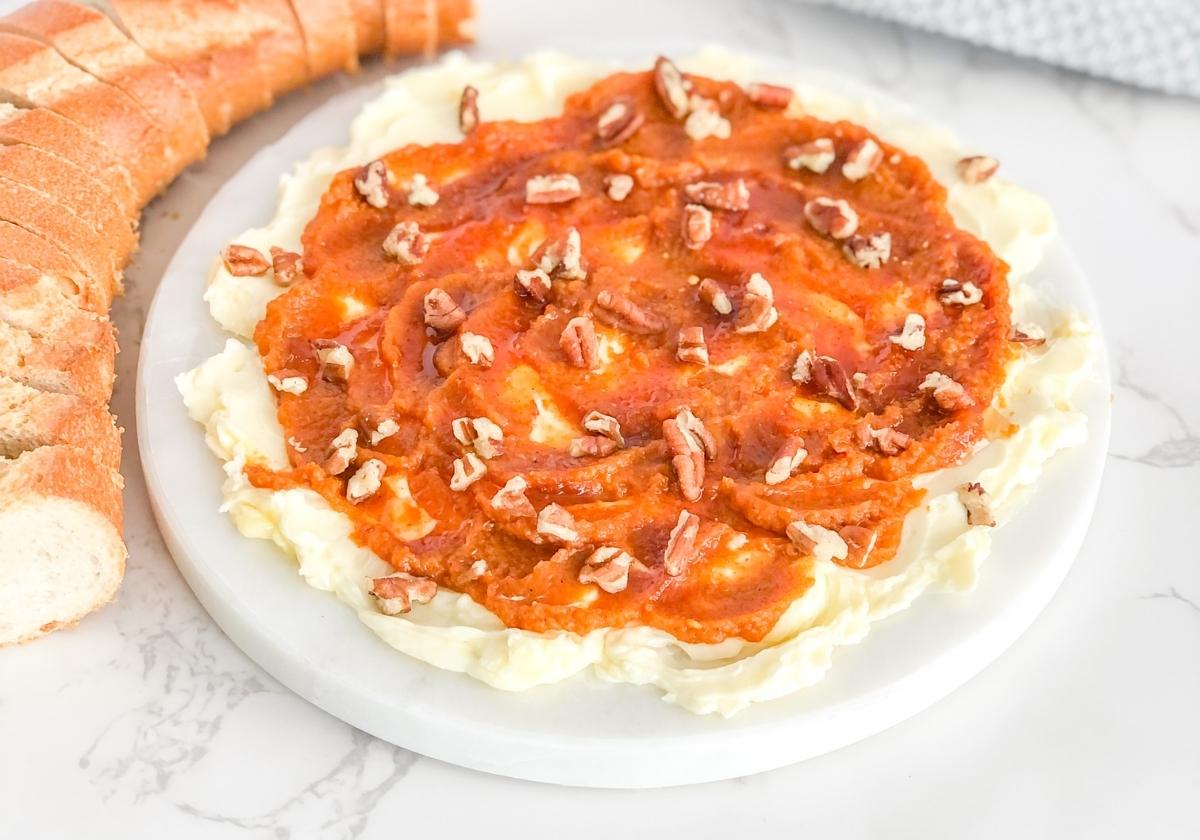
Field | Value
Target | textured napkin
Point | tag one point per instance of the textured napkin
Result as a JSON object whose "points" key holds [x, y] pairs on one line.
{"points": [[1150, 43]]}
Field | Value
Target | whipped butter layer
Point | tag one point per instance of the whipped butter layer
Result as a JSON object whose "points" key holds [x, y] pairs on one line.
{"points": [[229, 394]]}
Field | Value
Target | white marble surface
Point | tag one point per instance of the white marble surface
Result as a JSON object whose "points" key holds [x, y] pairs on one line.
{"points": [[147, 722]]}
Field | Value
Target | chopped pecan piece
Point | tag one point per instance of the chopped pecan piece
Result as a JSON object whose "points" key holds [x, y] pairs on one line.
{"points": [[618, 186], [477, 569], [681, 544], [862, 160], [730, 195], [822, 543], [711, 293], [948, 394], [978, 504], [886, 441], [556, 523], [592, 446], [244, 261], [564, 257], [757, 312], [787, 460], [579, 343], [1031, 335], [478, 433], [442, 313], [477, 348], [831, 217], [366, 481], [420, 194], [697, 225], [397, 593], [775, 97], [958, 293], [287, 266], [383, 430], [671, 87], [335, 359], [343, 450], [555, 188], [511, 498], [604, 424], [692, 347], [618, 122], [621, 311], [288, 381], [912, 334], [468, 110], [406, 244], [465, 471], [705, 120], [977, 168], [868, 251], [815, 155], [533, 284], [826, 377], [371, 182], [608, 568]]}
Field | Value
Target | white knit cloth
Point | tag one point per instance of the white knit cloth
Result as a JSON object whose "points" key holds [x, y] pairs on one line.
{"points": [[1150, 43]]}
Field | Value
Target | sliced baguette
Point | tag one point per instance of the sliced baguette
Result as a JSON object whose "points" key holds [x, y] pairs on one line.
{"points": [[24, 249], [57, 135], [34, 301], [411, 27], [279, 43], [30, 419], [456, 22], [74, 188], [369, 28], [33, 73], [61, 552], [329, 35], [92, 42], [61, 367]]}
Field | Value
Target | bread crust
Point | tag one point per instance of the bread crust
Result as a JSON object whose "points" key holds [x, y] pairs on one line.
{"points": [[456, 22], [35, 302], [61, 367], [30, 419], [279, 43], [28, 250], [411, 27], [369, 28], [330, 41]]}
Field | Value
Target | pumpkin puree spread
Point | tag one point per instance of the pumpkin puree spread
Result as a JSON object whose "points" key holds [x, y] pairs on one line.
{"points": [[636, 364]]}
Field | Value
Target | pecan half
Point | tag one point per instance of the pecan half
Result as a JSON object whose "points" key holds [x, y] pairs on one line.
{"points": [[831, 217], [826, 377], [287, 266], [671, 87], [948, 394], [371, 182], [1031, 335], [912, 334], [618, 186], [618, 310], [557, 524], [787, 460], [687, 459], [533, 285], [244, 261], [468, 110], [604, 424], [395, 594], [555, 188], [705, 120], [511, 498], [579, 344], [978, 504], [775, 97], [868, 251], [618, 122], [465, 471], [681, 544], [478, 433], [887, 441], [730, 195], [406, 244], [608, 568], [288, 381], [697, 225], [757, 312], [710, 292], [694, 426], [592, 446], [815, 155], [366, 481], [959, 293], [335, 359], [692, 347], [420, 194], [343, 450], [564, 257], [822, 543], [442, 313], [477, 348], [977, 168], [863, 159]]}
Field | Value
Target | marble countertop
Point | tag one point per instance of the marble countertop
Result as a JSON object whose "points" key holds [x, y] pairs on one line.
{"points": [[146, 721]]}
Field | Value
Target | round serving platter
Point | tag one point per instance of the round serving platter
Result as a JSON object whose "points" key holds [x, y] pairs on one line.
{"points": [[583, 731]]}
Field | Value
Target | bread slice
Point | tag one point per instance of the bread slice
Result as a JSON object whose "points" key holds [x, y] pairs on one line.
{"points": [[61, 553], [456, 22], [411, 26], [33, 73], [71, 186], [279, 43], [30, 419], [330, 41], [57, 135], [53, 268], [61, 367], [369, 27], [54, 221], [34, 302], [92, 42]]}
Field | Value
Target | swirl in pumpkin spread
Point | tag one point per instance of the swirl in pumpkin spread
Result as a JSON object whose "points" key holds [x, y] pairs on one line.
{"points": [[636, 364]]}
